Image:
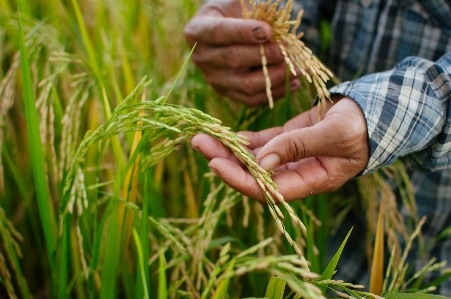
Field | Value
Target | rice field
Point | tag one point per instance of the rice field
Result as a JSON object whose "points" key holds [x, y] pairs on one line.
{"points": [[102, 196]]}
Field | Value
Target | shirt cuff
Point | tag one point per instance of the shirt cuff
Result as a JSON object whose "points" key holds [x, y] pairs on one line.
{"points": [[405, 111]]}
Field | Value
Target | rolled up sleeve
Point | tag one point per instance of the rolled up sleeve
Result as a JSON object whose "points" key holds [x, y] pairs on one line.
{"points": [[407, 111]]}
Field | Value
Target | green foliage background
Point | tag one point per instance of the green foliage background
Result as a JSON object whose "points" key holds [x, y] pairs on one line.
{"points": [[72, 224]]}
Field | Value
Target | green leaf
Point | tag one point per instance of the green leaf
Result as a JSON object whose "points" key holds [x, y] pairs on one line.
{"points": [[413, 295], [330, 269], [275, 288], [221, 291], [112, 247], [141, 262], [162, 283], [112, 255], [143, 235], [36, 152]]}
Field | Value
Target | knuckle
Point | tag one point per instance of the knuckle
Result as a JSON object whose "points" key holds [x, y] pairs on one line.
{"points": [[198, 57], [296, 147], [191, 32], [232, 57], [248, 86], [217, 32], [273, 53]]}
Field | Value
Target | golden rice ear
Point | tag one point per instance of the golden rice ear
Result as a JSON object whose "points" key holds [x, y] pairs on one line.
{"points": [[377, 265], [293, 49]]}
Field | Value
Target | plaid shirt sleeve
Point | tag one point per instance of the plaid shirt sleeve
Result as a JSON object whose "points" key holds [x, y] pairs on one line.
{"points": [[408, 112]]}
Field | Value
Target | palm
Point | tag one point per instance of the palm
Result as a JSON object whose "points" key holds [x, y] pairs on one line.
{"points": [[314, 157]]}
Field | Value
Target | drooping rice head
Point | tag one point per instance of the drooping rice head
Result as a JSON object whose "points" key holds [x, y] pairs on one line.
{"points": [[298, 56]]}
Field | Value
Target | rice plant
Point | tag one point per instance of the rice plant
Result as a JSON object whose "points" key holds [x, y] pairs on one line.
{"points": [[101, 195]]}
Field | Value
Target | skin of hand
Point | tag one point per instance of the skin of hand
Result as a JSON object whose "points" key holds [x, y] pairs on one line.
{"points": [[227, 51], [308, 157]]}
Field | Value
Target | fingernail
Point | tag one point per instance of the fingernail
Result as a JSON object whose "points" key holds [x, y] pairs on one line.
{"points": [[259, 34], [269, 162], [215, 171], [195, 147]]}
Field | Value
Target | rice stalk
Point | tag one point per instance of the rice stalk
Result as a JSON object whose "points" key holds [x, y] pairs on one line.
{"points": [[375, 188], [377, 265], [10, 238], [294, 51]]}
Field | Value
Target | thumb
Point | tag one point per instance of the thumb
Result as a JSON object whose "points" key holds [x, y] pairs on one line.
{"points": [[332, 137]]}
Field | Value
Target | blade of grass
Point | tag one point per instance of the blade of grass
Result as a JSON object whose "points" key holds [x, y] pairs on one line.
{"points": [[330, 269], [377, 266], [112, 256], [162, 101], [93, 62], [221, 291], [276, 288], [162, 283], [143, 235], [113, 245], [413, 295], [439, 280], [130, 186], [36, 152], [24, 6], [87, 41], [141, 262], [63, 260]]}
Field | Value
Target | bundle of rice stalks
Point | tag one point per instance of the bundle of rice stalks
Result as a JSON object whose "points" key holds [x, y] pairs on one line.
{"points": [[295, 52]]}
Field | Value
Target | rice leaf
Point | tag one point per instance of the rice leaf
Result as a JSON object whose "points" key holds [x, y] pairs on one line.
{"points": [[144, 237], [86, 40], [141, 262], [330, 269], [112, 255], [439, 280], [413, 295], [275, 288], [163, 100], [64, 257], [221, 291], [36, 152], [162, 283], [24, 6], [377, 266], [112, 248]]}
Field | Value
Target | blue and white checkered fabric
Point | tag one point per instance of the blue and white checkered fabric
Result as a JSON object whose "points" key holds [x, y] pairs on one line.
{"points": [[397, 56]]}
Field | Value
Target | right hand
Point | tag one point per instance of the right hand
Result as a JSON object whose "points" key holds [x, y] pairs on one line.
{"points": [[308, 157], [228, 53]]}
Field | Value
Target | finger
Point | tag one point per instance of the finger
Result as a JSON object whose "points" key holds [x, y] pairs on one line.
{"points": [[312, 176], [261, 98], [237, 56], [261, 138], [212, 148], [338, 135], [220, 31], [237, 178], [249, 83]]}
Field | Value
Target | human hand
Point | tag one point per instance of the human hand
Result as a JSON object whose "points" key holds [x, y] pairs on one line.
{"points": [[308, 157], [228, 53]]}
